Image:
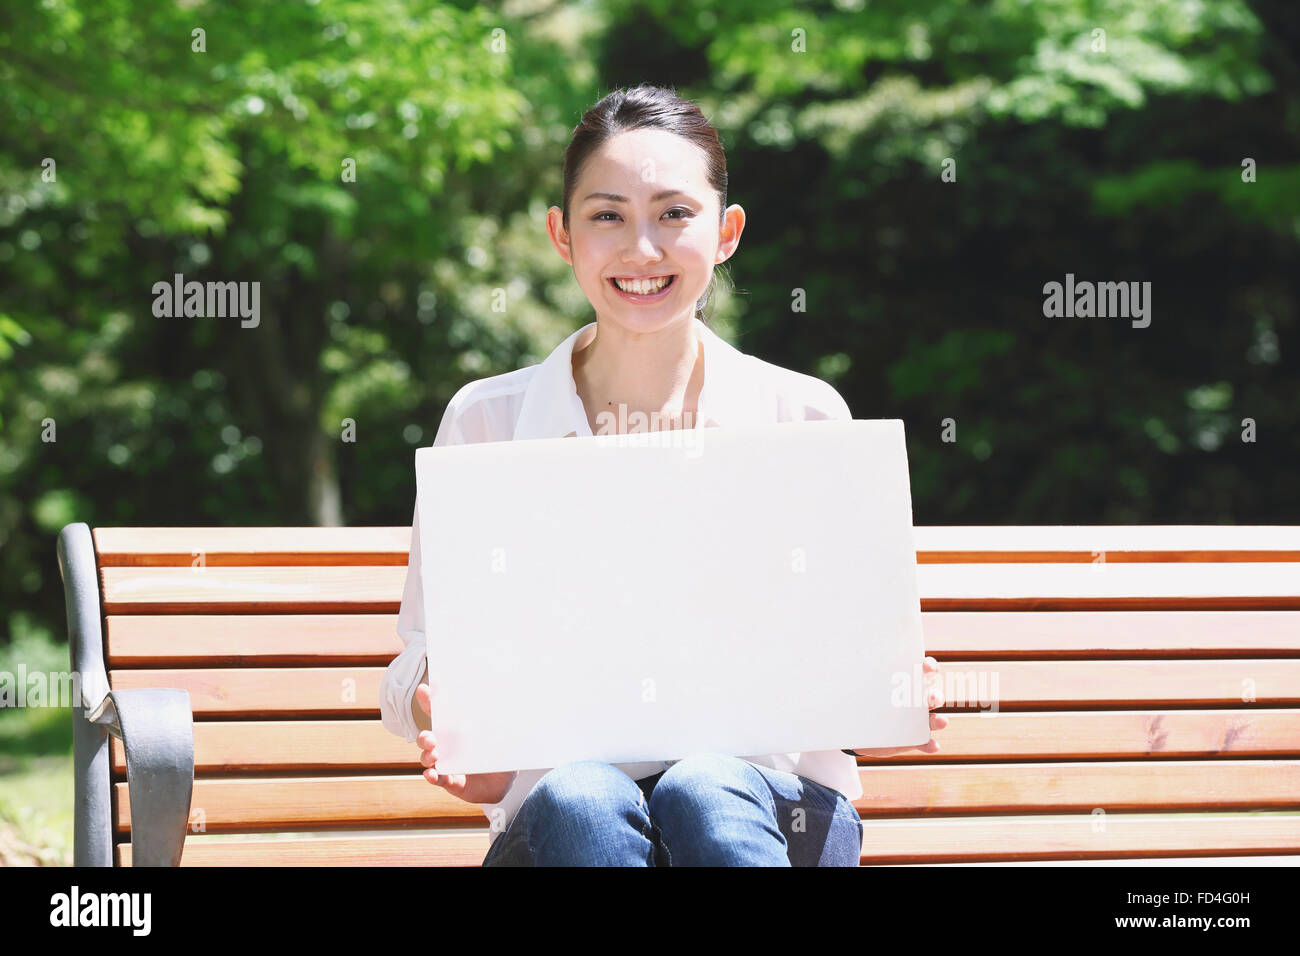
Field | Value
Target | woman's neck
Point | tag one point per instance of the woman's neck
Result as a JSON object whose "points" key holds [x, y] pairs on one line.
{"points": [[657, 373]]}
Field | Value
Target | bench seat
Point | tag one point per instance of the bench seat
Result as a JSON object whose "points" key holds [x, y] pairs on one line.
{"points": [[1114, 694]]}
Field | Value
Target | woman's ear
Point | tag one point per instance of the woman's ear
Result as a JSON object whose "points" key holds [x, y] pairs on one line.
{"points": [[733, 224], [560, 237]]}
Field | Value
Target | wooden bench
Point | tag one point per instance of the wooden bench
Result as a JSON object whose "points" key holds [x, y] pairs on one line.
{"points": [[1137, 672]]}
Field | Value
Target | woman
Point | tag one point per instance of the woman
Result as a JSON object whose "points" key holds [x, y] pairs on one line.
{"points": [[644, 221]]}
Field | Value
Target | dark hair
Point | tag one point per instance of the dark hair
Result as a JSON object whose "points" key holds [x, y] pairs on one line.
{"points": [[648, 107]]}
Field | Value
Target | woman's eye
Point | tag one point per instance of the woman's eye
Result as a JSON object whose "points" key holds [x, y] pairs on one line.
{"points": [[600, 217]]}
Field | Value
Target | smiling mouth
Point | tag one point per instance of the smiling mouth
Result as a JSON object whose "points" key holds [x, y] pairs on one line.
{"points": [[642, 286]]}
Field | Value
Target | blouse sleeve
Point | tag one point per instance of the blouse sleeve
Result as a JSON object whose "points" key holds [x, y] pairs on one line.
{"points": [[819, 401], [407, 670], [830, 404]]}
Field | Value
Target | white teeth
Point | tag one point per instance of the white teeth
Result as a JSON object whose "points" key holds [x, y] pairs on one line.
{"points": [[641, 286]]}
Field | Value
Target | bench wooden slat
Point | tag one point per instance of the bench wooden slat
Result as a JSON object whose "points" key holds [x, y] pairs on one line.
{"points": [[1078, 836], [247, 590], [884, 842], [1080, 787], [1195, 860], [153, 640], [942, 587], [227, 747], [117, 547], [1065, 735], [324, 691], [261, 691], [947, 544], [290, 746], [1113, 586], [456, 849], [231, 805], [1103, 634], [1111, 557], [212, 640], [125, 547]]}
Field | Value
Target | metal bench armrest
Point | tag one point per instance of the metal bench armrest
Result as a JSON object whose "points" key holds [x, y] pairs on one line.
{"points": [[156, 728]]}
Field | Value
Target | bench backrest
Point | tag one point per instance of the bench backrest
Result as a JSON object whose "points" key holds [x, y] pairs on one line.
{"points": [[1097, 679]]}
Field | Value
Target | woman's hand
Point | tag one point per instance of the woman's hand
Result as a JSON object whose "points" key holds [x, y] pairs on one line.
{"points": [[474, 787], [937, 721]]}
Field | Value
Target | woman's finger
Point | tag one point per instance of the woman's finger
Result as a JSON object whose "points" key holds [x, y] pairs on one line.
{"points": [[443, 780], [422, 696], [936, 692], [453, 783]]}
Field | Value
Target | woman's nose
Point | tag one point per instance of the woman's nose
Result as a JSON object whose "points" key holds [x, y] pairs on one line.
{"points": [[643, 250]]}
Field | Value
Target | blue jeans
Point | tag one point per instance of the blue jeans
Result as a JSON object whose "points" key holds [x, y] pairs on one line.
{"points": [[704, 810]]}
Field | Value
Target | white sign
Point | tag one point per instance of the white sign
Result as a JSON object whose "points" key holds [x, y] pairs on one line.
{"points": [[750, 592]]}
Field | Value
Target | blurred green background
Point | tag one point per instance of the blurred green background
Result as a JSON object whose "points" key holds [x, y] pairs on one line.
{"points": [[1103, 138]]}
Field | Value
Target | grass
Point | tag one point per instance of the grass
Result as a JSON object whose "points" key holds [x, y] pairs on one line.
{"points": [[36, 778], [36, 813]]}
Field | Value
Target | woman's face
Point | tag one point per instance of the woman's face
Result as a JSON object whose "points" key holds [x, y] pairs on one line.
{"points": [[643, 208]]}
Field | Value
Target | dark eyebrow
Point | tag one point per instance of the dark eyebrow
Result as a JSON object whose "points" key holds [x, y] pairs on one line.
{"points": [[614, 197]]}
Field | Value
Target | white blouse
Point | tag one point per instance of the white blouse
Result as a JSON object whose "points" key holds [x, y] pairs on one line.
{"points": [[541, 401]]}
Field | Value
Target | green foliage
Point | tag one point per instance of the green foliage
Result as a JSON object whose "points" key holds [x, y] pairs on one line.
{"points": [[1182, 184]]}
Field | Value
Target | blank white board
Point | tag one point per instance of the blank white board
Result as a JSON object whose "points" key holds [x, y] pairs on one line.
{"points": [[746, 590]]}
